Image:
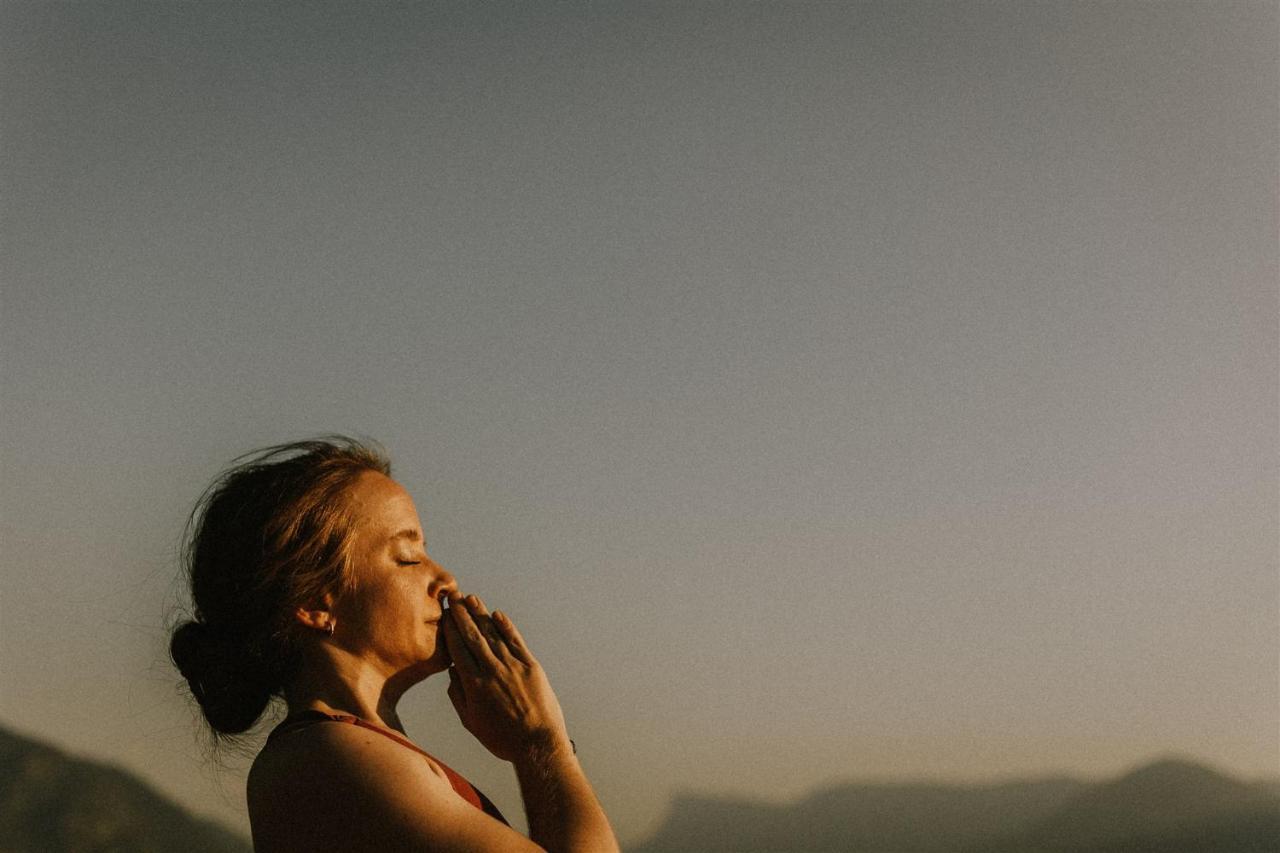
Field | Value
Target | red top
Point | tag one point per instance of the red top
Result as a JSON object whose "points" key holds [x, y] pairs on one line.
{"points": [[464, 788]]}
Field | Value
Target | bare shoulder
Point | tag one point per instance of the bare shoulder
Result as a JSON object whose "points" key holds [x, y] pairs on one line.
{"points": [[339, 786], [312, 757]]}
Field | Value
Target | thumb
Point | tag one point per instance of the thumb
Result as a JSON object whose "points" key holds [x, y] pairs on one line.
{"points": [[456, 694]]}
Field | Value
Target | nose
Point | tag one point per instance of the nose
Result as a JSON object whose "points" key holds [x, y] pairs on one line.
{"points": [[443, 583]]}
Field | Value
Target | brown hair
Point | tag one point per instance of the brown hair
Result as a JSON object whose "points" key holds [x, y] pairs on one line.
{"points": [[269, 535]]}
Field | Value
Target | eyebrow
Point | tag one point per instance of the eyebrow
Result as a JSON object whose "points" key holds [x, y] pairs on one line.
{"points": [[406, 534]]}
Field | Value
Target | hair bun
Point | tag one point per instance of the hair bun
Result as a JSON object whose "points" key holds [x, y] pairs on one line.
{"points": [[230, 695], [189, 649]]}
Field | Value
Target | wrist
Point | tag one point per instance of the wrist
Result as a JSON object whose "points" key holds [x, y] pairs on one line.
{"points": [[548, 748]]}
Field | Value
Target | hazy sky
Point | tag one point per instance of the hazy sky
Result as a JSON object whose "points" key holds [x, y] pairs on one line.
{"points": [[828, 390]]}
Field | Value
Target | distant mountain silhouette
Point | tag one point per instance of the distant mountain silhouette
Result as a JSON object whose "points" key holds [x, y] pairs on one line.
{"points": [[53, 803], [1164, 806], [903, 818], [1170, 806]]}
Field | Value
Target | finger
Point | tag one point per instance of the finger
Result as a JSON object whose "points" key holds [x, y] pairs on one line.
{"points": [[475, 641], [462, 658], [511, 634], [497, 644], [457, 695]]}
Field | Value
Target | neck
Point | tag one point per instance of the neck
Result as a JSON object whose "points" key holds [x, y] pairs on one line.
{"points": [[331, 680]]}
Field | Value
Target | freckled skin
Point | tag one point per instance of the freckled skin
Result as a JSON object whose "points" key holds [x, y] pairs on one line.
{"points": [[391, 619]]}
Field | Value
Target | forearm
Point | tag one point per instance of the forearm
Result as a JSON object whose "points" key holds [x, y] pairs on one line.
{"points": [[563, 812]]}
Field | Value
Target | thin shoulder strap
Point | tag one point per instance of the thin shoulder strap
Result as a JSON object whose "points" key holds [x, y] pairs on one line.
{"points": [[313, 716]]}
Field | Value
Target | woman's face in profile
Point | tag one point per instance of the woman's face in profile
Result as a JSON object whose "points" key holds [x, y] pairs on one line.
{"points": [[392, 617]]}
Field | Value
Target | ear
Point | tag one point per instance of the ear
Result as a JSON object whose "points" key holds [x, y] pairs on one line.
{"points": [[314, 619], [319, 616]]}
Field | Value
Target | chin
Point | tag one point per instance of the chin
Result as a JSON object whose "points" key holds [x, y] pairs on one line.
{"points": [[439, 660], [422, 670]]}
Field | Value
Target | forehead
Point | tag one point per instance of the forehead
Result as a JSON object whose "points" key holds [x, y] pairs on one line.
{"points": [[382, 507]]}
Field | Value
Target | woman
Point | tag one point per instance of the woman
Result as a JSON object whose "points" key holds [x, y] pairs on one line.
{"points": [[312, 586]]}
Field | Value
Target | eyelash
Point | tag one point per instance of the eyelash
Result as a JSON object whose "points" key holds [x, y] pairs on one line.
{"points": [[409, 562]]}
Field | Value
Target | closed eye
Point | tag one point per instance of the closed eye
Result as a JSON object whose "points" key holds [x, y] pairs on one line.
{"points": [[409, 562]]}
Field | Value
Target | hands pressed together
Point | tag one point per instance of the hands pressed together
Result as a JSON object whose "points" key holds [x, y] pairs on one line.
{"points": [[497, 686], [503, 698]]}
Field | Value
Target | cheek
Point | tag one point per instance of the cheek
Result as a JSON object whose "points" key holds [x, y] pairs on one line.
{"points": [[379, 608], [396, 604], [435, 642]]}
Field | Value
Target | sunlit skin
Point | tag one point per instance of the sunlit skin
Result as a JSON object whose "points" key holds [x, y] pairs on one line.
{"points": [[340, 787], [387, 636]]}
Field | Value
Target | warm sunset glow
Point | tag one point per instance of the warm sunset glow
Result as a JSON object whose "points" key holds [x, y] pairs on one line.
{"points": [[829, 390]]}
